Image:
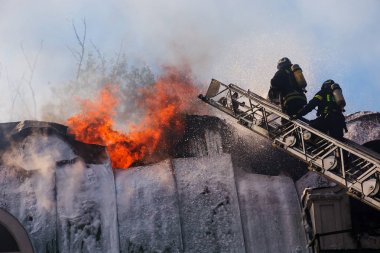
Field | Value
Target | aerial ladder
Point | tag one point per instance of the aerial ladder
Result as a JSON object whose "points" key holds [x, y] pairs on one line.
{"points": [[351, 165]]}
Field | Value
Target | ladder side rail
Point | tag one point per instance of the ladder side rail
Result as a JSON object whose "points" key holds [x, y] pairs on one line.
{"points": [[343, 171], [332, 146], [354, 187], [261, 109], [275, 110], [258, 111], [346, 147], [342, 145], [350, 150], [367, 174]]}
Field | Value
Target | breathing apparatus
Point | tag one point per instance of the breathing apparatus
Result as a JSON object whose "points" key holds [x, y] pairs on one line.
{"points": [[330, 85], [298, 75]]}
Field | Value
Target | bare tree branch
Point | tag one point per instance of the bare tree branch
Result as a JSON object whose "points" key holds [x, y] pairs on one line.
{"points": [[100, 55], [74, 53], [118, 56], [18, 94], [81, 42], [32, 67]]}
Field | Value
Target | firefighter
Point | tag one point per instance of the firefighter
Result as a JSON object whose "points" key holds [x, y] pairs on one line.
{"points": [[284, 89], [330, 103], [236, 103]]}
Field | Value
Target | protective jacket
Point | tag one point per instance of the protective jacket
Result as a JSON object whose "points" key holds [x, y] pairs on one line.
{"points": [[283, 85], [236, 104], [330, 118]]}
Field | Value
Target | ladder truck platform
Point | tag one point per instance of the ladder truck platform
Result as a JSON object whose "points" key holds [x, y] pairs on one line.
{"points": [[347, 163]]}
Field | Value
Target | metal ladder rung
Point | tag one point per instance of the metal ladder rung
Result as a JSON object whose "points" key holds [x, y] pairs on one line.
{"points": [[285, 128], [326, 150], [274, 119], [360, 163], [356, 172], [368, 163], [321, 147], [325, 144], [357, 162], [320, 141], [317, 145]]}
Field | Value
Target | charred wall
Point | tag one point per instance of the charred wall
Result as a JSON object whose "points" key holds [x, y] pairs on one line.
{"points": [[205, 199], [208, 135], [60, 190]]}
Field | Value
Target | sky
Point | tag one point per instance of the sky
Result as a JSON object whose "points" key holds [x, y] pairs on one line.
{"points": [[234, 41]]}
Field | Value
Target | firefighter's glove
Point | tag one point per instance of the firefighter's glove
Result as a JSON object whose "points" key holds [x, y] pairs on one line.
{"points": [[295, 116]]}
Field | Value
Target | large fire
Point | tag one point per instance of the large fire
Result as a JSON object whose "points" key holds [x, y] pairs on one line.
{"points": [[163, 106]]}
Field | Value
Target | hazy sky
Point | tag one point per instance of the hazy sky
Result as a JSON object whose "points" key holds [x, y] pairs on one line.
{"points": [[233, 41]]}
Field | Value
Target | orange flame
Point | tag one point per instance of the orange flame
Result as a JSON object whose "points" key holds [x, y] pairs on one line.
{"points": [[163, 104]]}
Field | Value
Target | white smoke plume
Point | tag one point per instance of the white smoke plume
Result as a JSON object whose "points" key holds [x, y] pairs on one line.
{"points": [[233, 41], [38, 155]]}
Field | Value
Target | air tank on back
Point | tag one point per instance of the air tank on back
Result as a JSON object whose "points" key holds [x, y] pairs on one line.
{"points": [[301, 82], [338, 95]]}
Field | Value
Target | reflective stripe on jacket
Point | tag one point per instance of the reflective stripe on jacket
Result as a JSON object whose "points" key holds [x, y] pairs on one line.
{"points": [[294, 95], [325, 102]]}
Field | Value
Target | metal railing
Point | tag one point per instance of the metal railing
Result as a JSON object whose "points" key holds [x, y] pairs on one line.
{"points": [[347, 163]]}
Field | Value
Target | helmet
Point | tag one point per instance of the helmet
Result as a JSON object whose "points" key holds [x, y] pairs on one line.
{"points": [[284, 63], [327, 84]]}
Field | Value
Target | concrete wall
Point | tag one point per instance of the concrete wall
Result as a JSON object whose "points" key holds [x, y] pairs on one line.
{"points": [[199, 205], [184, 205], [64, 204], [86, 208], [148, 211], [209, 207], [271, 214]]}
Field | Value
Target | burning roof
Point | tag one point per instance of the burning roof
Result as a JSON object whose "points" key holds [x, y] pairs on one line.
{"points": [[160, 122], [14, 132]]}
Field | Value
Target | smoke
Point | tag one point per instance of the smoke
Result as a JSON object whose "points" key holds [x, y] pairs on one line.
{"points": [[241, 41], [233, 41], [70, 183], [38, 155]]}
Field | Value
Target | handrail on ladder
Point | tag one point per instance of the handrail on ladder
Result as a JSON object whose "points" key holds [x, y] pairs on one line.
{"points": [[352, 166]]}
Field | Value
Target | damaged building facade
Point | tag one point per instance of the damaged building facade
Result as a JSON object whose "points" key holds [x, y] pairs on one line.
{"points": [[225, 190]]}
